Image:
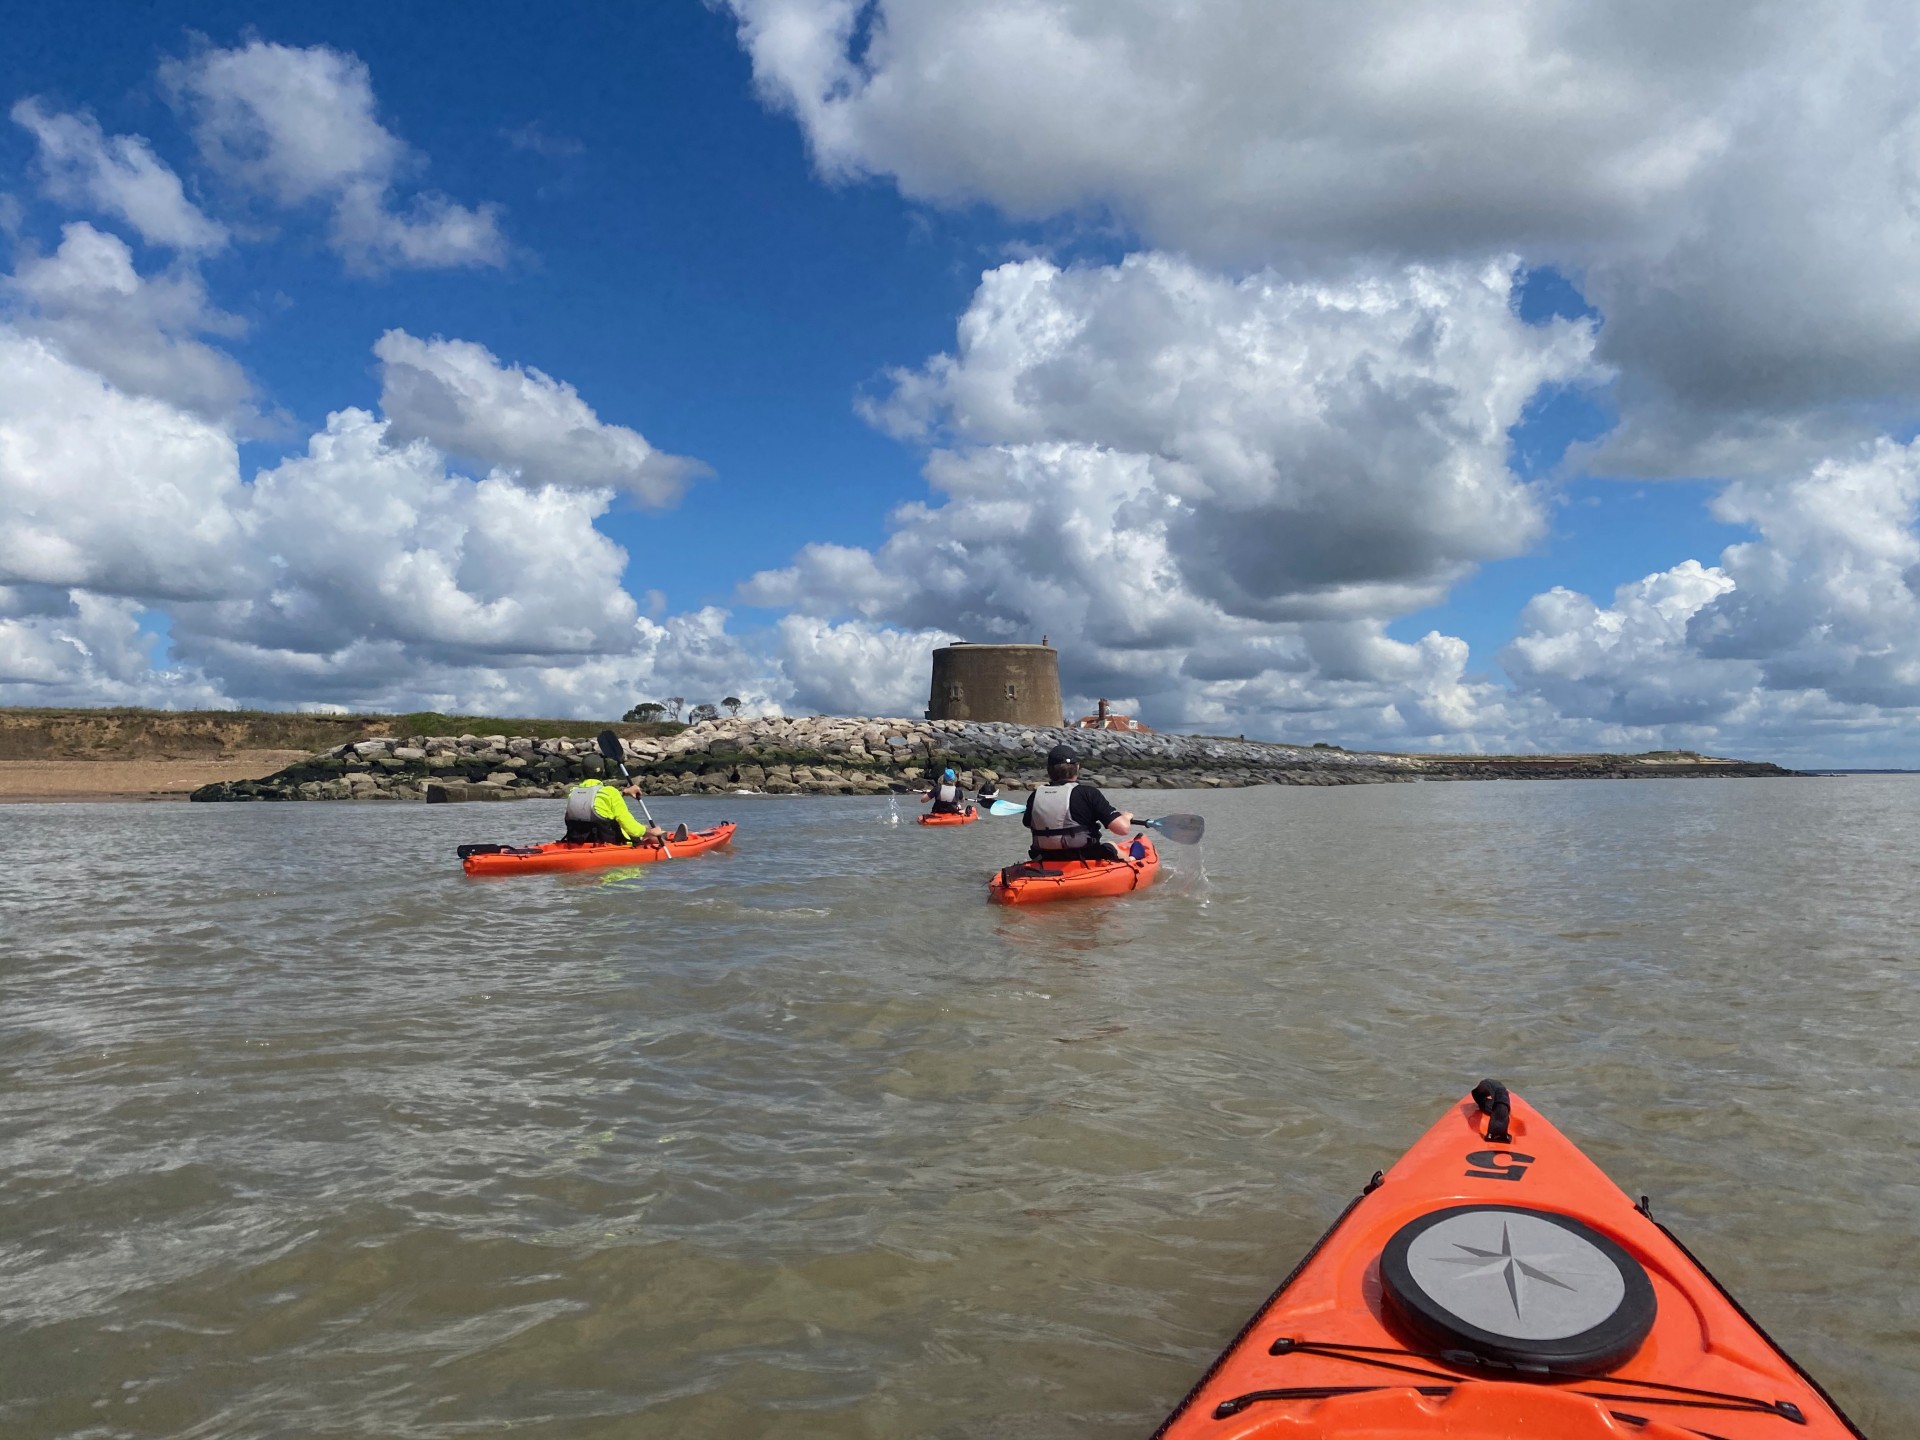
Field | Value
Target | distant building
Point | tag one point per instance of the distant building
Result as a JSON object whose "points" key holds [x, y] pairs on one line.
{"points": [[1105, 719], [1017, 683]]}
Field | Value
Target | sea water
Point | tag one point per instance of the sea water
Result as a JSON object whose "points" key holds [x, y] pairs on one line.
{"points": [[304, 1133]]}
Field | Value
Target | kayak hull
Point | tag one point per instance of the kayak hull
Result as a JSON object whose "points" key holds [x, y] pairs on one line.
{"points": [[1035, 882], [545, 859], [964, 817], [1343, 1348]]}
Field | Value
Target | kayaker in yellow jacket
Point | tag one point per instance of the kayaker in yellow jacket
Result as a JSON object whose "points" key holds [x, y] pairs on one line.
{"points": [[597, 814]]}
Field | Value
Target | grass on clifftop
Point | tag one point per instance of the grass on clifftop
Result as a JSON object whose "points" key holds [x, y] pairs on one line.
{"points": [[130, 733]]}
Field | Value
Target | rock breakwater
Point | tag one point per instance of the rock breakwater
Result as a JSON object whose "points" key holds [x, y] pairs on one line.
{"points": [[856, 756]]}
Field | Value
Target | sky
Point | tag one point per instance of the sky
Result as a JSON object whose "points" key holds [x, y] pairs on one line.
{"points": [[1449, 375]]}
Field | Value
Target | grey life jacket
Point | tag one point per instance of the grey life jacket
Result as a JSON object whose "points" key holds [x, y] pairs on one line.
{"points": [[580, 803], [947, 792], [1053, 827]]}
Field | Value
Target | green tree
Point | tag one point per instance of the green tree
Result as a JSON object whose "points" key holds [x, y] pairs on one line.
{"points": [[700, 712], [647, 712], [732, 702]]}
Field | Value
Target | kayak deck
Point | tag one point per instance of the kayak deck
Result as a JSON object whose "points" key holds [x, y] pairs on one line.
{"points": [[1037, 881], [1494, 1284], [536, 859]]}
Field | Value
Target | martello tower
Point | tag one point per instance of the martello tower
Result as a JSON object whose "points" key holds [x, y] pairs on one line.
{"points": [[1020, 683]]}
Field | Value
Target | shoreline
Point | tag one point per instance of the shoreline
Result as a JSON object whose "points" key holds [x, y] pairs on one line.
{"points": [[154, 780], [821, 755], [841, 755]]}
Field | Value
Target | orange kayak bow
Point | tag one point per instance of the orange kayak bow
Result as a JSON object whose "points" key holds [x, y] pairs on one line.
{"points": [[1494, 1285]]}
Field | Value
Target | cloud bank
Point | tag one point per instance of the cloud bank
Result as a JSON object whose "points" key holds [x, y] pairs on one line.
{"points": [[1685, 161], [1226, 472], [1212, 494]]}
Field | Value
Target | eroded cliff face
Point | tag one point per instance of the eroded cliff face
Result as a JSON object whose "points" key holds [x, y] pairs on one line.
{"points": [[842, 756], [166, 734]]}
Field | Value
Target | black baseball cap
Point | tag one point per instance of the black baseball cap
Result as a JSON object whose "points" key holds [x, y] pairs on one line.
{"points": [[1062, 755]]}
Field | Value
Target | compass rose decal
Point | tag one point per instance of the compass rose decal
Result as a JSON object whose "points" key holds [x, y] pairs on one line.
{"points": [[1513, 1272], [1513, 1267]]}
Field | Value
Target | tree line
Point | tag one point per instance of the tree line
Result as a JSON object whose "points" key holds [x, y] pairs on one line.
{"points": [[652, 712]]}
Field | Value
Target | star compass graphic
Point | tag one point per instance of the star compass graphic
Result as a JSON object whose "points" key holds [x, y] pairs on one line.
{"points": [[1515, 1273], [1511, 1266]]}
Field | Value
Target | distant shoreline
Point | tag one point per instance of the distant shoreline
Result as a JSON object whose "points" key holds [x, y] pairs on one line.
{"points": [[132, 756], [131, 781]]}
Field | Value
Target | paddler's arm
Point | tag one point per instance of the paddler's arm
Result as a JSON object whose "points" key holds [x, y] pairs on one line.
{"points": [[616, 810], [1101, 811]]}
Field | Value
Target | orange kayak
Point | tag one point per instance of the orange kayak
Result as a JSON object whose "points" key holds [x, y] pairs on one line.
{"points": [[1494, 1285], [1033, 881], [964, 817], [532, 859]]}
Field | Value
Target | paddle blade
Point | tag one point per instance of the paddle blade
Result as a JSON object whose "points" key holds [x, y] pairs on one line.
{"points": [[609, 744], [1007, 807], [1181, 829]]}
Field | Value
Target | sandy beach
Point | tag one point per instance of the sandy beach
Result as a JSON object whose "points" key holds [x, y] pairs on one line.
{"points": [[132, 780]]}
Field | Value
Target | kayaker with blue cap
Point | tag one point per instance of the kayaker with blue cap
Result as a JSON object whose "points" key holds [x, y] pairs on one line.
{"points": [[946, 794], [1066, 816]]}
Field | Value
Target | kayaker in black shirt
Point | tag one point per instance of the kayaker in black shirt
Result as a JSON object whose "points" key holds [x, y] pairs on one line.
{"points": [[1065, 816], [987, 793], [946, 794]]}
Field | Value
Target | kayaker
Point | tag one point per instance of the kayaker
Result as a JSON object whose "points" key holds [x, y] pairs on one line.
{"points": [[987, 793], [1065, 816], [597, 814], [946, 794]]}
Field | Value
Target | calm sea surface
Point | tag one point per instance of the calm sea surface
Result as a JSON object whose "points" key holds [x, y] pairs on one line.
{"points": [[302, 1133]]}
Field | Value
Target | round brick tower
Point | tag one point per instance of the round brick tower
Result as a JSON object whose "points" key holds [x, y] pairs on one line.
{"points": [[1019, 683]]}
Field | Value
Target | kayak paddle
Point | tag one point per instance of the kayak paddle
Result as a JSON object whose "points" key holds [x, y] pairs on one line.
{"points": [[1181, 829], [609, 744]]}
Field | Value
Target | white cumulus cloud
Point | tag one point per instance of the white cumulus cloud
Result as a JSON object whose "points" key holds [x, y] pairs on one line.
{"points": [[1806, 636], [461, 397], [138, 331], [363, 572], [1214, 494], [118, 175], [300, 125], [107, 491], [1734, 185], [856, 668], [72, 647]]}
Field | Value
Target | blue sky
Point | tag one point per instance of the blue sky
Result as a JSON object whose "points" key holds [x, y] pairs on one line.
{"points": [[675, 260], [1412, 406]]}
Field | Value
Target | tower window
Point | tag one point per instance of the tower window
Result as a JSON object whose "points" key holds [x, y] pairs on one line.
{"points": [[1010, 694], [953, 691]]}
